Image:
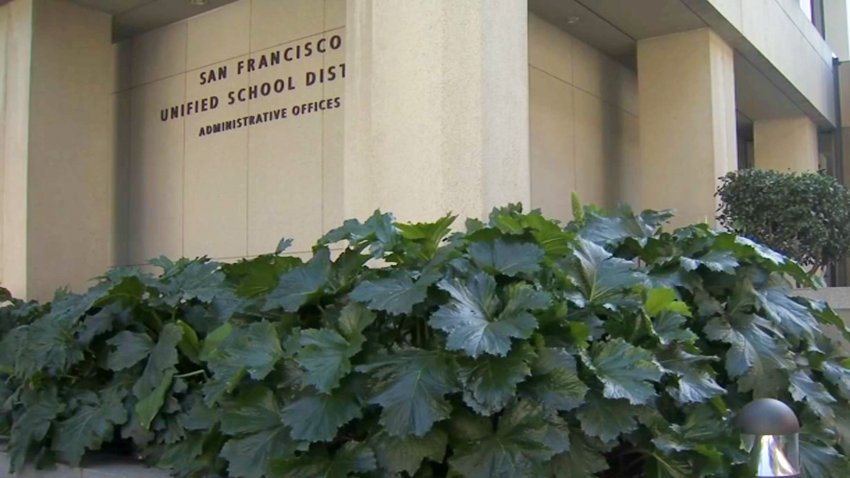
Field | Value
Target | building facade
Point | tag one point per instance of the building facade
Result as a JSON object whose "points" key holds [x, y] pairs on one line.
{"points": [[135, 128]]}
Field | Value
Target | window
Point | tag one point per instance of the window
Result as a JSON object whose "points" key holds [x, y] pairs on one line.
{"points": [[813, 10], [806, 6]]}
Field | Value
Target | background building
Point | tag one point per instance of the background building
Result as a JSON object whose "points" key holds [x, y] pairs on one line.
{"points": [[134, 128]]}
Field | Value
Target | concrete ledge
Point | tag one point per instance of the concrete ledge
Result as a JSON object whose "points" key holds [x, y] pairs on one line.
{"points": [[99, 466]]}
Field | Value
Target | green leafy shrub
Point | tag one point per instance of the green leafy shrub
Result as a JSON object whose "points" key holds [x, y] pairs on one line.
{"points": [[805, 216], [516, 349]]}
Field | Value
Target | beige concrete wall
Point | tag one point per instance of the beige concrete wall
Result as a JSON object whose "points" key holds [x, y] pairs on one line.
{"points": [[233, 193], [4, 41], [782, 34], [70, 204], [837, 27], [583, 112], [18, 38], [786, 144]]}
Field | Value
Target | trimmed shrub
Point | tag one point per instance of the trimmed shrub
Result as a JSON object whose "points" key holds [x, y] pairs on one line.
{"points": [[805, 216], [519, 348]]}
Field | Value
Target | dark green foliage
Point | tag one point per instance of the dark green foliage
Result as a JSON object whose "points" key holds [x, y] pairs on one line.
{"points": [[805, 216], [519, 348]]}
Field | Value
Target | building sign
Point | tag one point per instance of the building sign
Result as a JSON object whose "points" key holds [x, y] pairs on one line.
{"points": [[285, 60]]}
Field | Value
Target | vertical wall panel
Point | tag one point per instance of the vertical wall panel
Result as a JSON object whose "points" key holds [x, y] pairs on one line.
{"points": [[285, 182], [215, 192], [156, 172], [583, 108], [552, 144]]}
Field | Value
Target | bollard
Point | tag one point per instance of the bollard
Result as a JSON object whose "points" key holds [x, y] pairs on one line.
{"points": [[771, 434]]}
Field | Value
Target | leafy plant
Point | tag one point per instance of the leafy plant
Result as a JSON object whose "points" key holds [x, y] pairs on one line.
{"points": [[517, 348], [805, 216]]}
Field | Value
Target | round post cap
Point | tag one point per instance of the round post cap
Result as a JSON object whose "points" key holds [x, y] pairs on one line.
{"points": [[767, 416]]}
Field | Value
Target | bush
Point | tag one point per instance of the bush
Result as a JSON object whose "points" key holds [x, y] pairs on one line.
{"points": [[805, 216], [516, 349]]}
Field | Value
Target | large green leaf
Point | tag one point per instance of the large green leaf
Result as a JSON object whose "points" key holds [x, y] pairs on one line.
{"points": [[147, 408], [258, 434], [427, 235], [838, 375], [50, 345], [88, 427], [615, 229], [198, 415], [489, 383], [213, 340], [803, 388], [606, 419], [326, 354], [516, 449], [257, 276], [346, 271], [508, 258], [163, 357], [398, 454], [507, 219], [466, 426], [666, 466], [301, 284], [379, 234], [252, 411], [662, 299], [584, 459], [794, 318], [555, 241], [181, 457], [70, 308], [741, 243], [625, 371], [410, 386], [396, 294], [818, 458], [317, 417], [695, 381], [195, 281], [700, 427], [254, 350], [671, 327], [353, 458], [599, 275], [101, 322], [840, 423], [129, 348], [554, 381], [556, 432], [41, 410], [471, 320], [753, 352], [714, 260]]}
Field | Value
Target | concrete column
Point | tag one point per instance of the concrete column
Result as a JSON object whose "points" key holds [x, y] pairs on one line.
{"points": [[436, 115], [71, 152], [4, 40], [786, 144], [687, 123], [56, 162], [18, 20]]}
